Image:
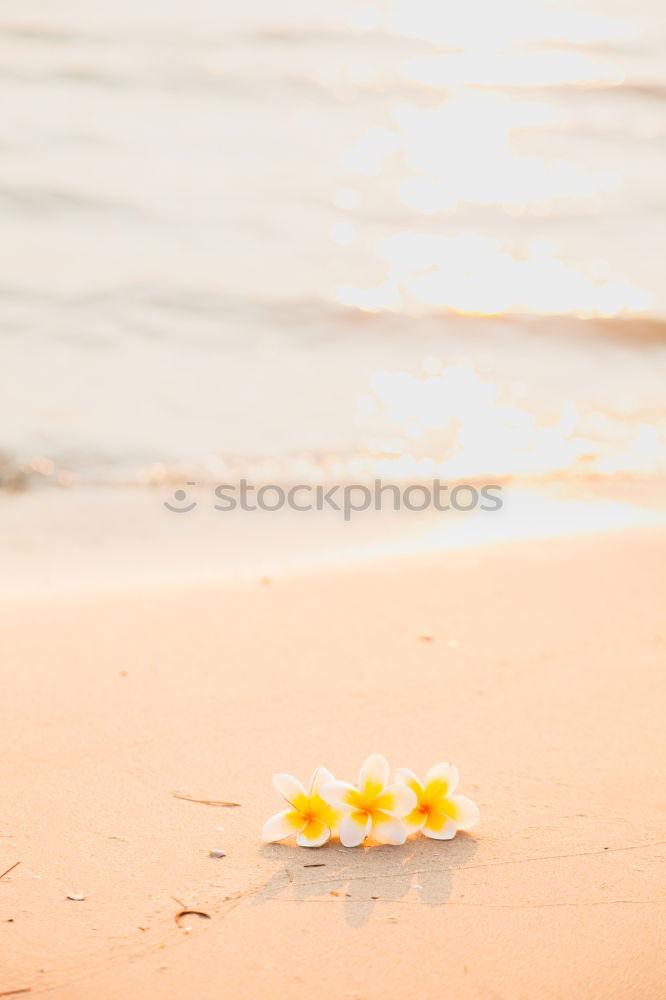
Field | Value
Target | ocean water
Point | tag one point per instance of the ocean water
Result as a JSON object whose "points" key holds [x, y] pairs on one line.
{"points": [[331, 240]]}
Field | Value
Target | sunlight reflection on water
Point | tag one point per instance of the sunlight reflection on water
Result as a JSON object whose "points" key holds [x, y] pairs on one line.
{"points": [[453, 423], [462, 153], [225, 226]]}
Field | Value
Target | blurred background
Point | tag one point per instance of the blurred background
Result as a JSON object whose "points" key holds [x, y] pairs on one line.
{"points": [[326, 242]]}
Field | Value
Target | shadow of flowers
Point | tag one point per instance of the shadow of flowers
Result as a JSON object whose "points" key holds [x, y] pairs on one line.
{"points": [[420, 871]]}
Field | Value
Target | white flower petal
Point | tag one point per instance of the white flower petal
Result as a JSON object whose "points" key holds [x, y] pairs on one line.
{"points": [[439, 826], [340, 795], [291, 790], [414, 821], [443, 779], [373, 776], [404, 776], [320, 776], [464, 813], [398, 800], [354, 828], [314, 834], [388, 829], [284, 824]]}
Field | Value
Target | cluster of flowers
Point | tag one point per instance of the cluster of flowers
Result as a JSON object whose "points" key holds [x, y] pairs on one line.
{"points": [[388, 813]]}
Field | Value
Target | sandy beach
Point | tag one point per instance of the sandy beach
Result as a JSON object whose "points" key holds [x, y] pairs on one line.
{"points": [[537, 667], [332, 424]]}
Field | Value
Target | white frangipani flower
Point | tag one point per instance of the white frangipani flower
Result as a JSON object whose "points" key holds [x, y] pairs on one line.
{"points": [[309, 816], [439, 814], [374, 807]]}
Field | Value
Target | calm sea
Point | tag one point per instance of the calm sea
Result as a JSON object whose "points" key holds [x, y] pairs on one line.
{"points": [[331, 240]]}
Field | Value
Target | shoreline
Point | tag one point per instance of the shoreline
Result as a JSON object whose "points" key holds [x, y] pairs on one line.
{"points": [[108, 540]]}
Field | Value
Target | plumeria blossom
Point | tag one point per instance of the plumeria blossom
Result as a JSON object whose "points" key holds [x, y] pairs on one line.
{"points": [[374, 807], [439, 813], [308, 816]]}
